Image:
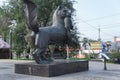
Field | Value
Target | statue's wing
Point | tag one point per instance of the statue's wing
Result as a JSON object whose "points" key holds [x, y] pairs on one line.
{"points": [[31, 15]]}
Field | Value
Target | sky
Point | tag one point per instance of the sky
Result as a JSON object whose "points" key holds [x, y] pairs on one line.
{"points": [[1, 2], [94, 14]]}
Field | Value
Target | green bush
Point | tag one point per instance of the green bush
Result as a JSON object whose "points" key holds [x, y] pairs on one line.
{"points": [[114, 57]]}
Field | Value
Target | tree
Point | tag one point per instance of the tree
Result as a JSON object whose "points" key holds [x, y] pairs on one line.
{"points": [[15, 11], [47, 7], [4, 22]]}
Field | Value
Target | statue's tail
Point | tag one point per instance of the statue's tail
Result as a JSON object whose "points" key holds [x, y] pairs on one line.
{"points": [[31, 15]]}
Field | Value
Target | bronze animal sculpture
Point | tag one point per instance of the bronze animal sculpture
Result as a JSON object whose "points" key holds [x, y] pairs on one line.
{"points": [[57, 33]]}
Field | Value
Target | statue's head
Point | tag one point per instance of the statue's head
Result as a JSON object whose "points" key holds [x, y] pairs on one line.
{"points": [[61, 12], [59, 15]]}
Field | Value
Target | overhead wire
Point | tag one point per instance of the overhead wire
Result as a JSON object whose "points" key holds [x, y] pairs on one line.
{"points": [[95, 27], [108, 16], [108, 26], [88, 24]]}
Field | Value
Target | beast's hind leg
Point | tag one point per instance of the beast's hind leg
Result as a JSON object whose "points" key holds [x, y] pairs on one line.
{"points": [[33, 35], [40, 57], [37, 56]]}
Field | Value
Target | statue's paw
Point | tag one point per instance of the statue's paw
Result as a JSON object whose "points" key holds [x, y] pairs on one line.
{"points": [[37, 58], [45, 62]]}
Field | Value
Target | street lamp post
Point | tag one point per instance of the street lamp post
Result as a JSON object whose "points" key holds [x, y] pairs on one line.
{"points": [[12, 27], [105, 67], [10, 42]]}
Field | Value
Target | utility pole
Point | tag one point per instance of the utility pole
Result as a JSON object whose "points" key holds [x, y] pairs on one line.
{"points": [[99, 31]]}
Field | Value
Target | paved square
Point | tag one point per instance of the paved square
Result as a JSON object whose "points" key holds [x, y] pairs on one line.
{"points": [[96, 72]]}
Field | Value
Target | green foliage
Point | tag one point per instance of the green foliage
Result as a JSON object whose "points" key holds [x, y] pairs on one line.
{"points": [[19, 38], [4, 22], [75, 36], [63, 54], [47, 7], [114, 56], [15, 11], [8, 13]]}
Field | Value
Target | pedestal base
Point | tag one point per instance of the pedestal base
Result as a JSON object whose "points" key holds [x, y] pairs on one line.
{"points": [[56, 68]]}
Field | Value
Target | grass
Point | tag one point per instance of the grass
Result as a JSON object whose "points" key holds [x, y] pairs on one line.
{"points": [[22, 59], [78, 59]]}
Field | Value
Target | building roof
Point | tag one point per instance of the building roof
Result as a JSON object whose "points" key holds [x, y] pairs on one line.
{"points": [[3, 44]]}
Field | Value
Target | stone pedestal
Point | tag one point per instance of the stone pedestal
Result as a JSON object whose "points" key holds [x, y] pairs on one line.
{"points": [[55, 68]]}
